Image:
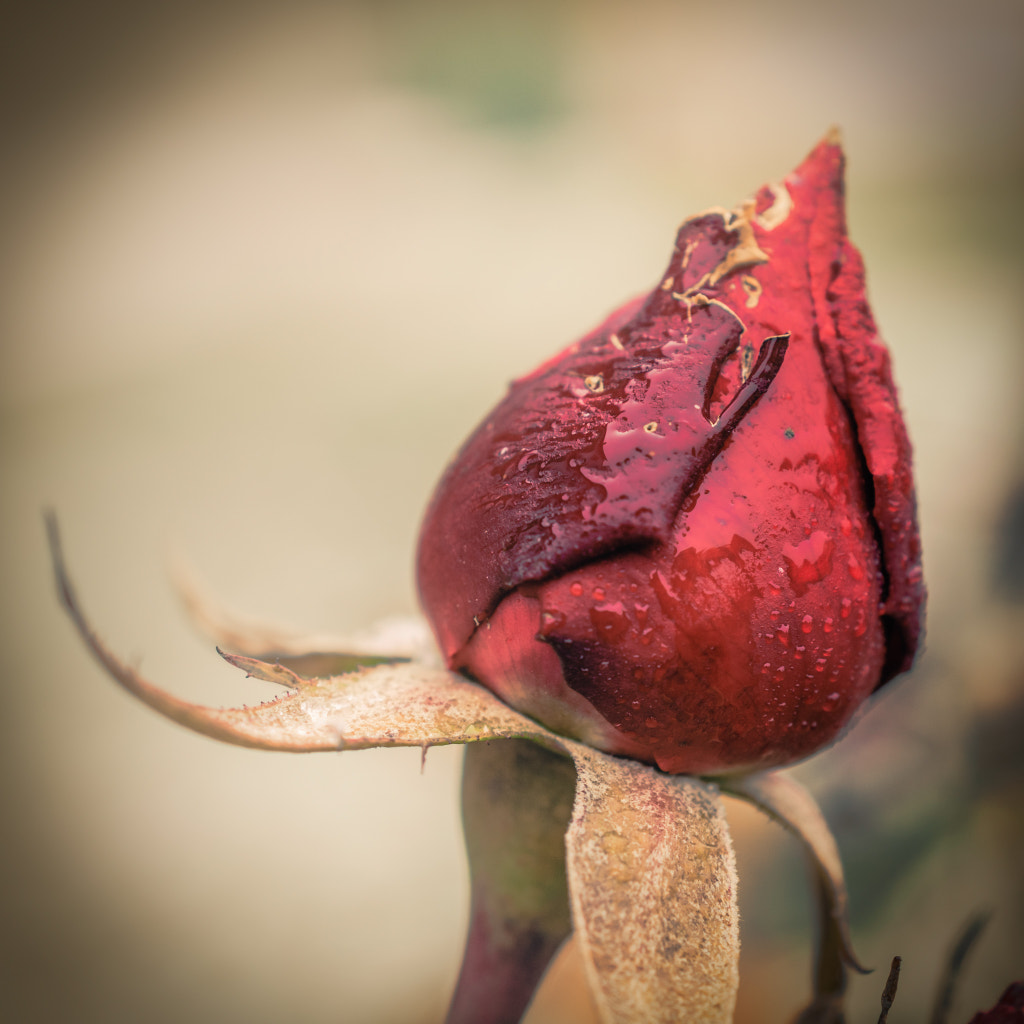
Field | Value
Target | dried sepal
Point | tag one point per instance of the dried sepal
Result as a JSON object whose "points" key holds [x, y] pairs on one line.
{"points": [[317, 654], [648, 860], [390, 705], [652, 881], [790, 804]]}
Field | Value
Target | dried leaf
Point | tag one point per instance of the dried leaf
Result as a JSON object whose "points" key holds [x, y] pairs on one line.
{"points": [[386, 706], [651, 875], [785, 800], [392, 639], [516, 803], [652, 882], [889, 992]]}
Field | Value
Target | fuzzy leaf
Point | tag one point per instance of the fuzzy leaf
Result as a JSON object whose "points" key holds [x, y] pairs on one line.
{"points": [[652, 880]]}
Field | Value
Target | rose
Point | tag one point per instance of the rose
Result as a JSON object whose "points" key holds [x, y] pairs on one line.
{"points": [[690, 537]]}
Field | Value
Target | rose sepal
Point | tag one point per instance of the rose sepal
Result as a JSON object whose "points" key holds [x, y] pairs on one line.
{"points": [[649, 869]]}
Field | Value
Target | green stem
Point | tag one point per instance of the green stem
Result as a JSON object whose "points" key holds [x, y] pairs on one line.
{"points": [[516, 803]]}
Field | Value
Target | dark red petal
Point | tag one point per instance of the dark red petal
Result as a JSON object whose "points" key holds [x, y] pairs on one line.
{"points": [[859, 368], [1009, 1009], [592, 453]]}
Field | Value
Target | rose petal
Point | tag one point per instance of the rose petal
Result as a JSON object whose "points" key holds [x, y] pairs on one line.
{"points": [[859, 368]]}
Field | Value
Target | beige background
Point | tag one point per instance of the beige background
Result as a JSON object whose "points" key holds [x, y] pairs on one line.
{"points": [[260, 272]]}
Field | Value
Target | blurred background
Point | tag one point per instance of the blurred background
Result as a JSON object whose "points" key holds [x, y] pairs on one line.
{"points": [[262, 267]]}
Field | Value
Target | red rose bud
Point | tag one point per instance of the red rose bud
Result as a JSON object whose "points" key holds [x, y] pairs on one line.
{"points": [[690, 538]]}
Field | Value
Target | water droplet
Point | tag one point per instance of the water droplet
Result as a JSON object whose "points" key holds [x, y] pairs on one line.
{"points": [[651, 723], [598, 593], [830, 703], [576, 589], [828, 625], [766, 668], [807, 624], [799, 653], [856, 570], [819, 665], [845, 609], [783, 634], [774, 615], [609, 622], [809, 561]]}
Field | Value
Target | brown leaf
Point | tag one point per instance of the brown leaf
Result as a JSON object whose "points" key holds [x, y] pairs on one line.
{"points": [[785, 800], [651, 875], [320, 654], [386, 706], [652, 882]]}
